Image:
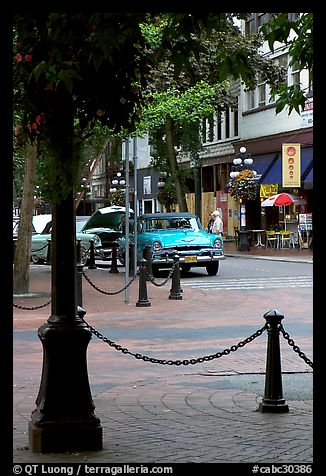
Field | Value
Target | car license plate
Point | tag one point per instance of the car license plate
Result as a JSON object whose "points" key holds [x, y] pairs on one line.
{"points": [[190, 259]]}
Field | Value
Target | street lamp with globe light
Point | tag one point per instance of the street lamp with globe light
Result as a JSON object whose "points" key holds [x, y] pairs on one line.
{"points": [[243, 186]]}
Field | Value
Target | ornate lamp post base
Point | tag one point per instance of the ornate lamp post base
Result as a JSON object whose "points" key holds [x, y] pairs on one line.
{"points": [[64, 418], [76, 436]]}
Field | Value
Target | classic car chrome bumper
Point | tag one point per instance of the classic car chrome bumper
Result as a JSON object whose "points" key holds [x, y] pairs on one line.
{"points": [[186, 257]]}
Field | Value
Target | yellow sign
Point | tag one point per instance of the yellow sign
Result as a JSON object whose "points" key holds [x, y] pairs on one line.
{"points": [[291, 171], [268, 189]]}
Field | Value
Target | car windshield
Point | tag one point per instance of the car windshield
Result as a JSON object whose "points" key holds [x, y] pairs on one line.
{"points": [[80, 224], [173, 223]]}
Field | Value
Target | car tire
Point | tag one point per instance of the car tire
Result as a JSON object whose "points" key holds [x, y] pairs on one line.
{"points": [[36, 260], [185, 267], [155, 271], [84, 256], [212, 268]]}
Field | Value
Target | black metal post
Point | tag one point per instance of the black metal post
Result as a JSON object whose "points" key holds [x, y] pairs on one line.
{"points": [[79, 276], [64, 418], [175, 291], [148, 258], [143, 300], [48, 255], [273, 401], [114, 258], [132, 264], [91, 264]]}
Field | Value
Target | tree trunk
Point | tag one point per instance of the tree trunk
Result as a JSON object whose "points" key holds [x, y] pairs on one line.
{"points": [[23, 245], [172, 160]]}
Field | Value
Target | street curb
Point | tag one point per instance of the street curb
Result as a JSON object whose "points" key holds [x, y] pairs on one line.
{"points": [[271, 258]]}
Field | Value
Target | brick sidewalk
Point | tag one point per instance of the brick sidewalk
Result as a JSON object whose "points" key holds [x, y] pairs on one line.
{"points": [[161, 413]]}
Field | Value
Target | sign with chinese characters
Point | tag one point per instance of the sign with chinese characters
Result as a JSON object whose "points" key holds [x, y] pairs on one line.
{"points": [[268, 189], [291, 170]]}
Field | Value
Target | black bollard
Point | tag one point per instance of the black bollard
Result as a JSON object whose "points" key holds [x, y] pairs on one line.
{"points": [[114, 258], [48, 255], [148, 258], [143, 299], [91, 262], [273, 401], [175, 291]]}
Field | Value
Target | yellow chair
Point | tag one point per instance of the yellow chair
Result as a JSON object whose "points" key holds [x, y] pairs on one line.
{"points": [[286, 239], [271, 239]]}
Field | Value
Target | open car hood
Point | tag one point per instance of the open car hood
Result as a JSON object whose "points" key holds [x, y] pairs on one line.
{"points": [[108, 218]]}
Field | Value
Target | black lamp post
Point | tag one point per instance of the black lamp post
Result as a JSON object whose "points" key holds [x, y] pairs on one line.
{"points": [[64, 418], [243, 186]]}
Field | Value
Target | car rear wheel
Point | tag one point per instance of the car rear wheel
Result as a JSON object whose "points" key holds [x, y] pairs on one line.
{"points": [[36, 260], [212, 268]]}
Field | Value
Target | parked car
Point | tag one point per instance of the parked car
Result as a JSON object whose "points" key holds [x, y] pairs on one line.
{"points": [[106, 223], [40, 242], [38, 224], [179, 233]]}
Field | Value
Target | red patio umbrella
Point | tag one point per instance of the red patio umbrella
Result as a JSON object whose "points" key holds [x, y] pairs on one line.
{"points": [[282, 200]]}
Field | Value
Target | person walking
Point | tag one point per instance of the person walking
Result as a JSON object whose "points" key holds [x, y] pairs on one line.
{"points": [[217, 227]]}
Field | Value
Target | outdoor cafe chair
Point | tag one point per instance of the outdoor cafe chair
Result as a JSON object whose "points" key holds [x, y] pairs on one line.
{"points": [[271, 239], [287, 239]]}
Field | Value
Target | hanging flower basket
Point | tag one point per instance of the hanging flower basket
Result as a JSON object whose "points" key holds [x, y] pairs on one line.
{"points": [[244, 185]]}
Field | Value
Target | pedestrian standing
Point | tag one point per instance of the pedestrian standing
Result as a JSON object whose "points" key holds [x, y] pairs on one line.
{"points": [[210, 223], [217, 227]]}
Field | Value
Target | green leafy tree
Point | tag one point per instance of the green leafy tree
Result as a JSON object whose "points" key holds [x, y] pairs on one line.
{"points": [[300, 48]]}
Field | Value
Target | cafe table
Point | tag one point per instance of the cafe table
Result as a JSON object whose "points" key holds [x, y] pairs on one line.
{"points": [[258, 235]]}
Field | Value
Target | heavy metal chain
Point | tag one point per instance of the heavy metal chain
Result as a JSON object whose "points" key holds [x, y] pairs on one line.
{"points": [[107, 292], [40, 249], [295, 347], [162, 283], [31, 308], [175, 362]]}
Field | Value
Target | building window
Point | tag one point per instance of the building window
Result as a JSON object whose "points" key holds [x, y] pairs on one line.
{"points": [[295, 73], [261, 91], [250, 99], [293, 16], [203, 130], [236, 122], [283, 61], [256, 21], [219, 124], [147, 185], [262, 18], [227, 123]]}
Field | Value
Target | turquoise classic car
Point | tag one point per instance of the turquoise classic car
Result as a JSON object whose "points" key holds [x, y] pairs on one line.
{"points": [[40, 242], [169, 234]]}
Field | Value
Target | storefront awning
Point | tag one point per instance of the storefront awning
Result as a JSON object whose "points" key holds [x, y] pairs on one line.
{"points": [[262, 163], [274, 174]]}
